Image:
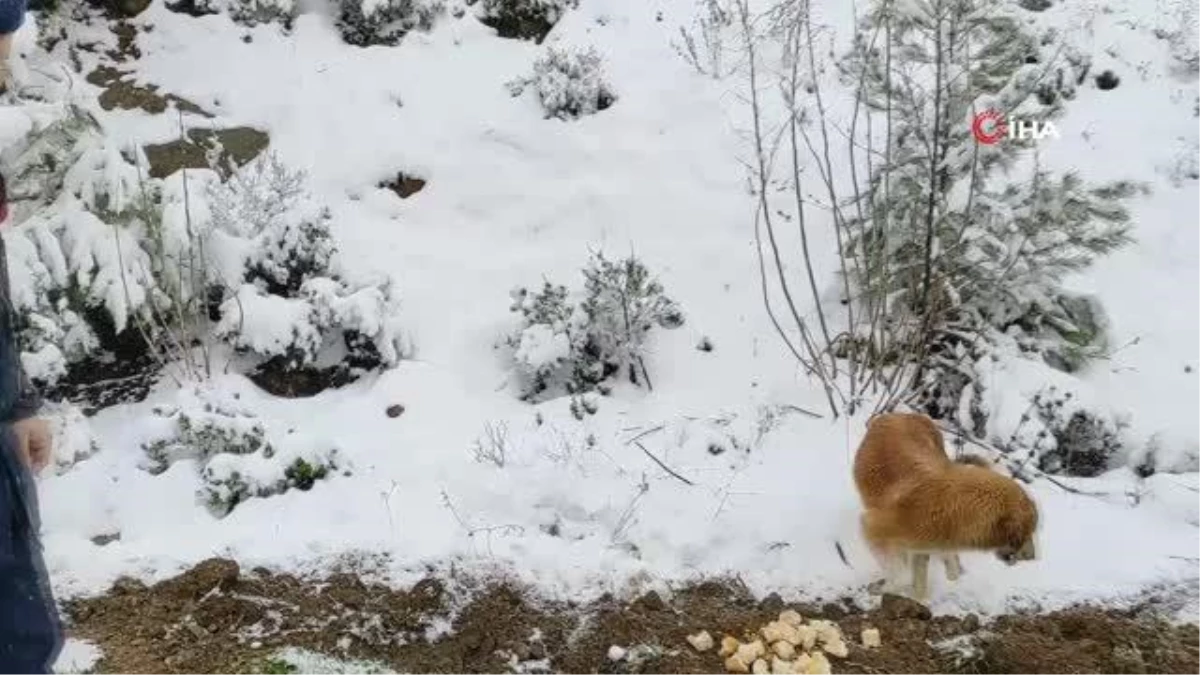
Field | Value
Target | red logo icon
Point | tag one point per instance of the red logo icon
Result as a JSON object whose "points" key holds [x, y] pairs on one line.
{"points": [[989, 127]]}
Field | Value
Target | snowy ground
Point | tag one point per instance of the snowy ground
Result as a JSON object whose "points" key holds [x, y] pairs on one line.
{"points": [[512, 197]]}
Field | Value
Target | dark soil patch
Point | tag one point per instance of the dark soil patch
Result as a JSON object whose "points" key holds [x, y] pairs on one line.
{"points": [[121, 9], [1107, 80], [239, 145], [95, 384], [280, 377], [191, 8], [277, 379], [127, 48], [404, 185], [216, 619], [1035, 5], [122, 93], [124, 370]]}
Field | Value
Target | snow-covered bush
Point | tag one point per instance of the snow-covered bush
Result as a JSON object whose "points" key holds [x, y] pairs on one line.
{"points": [[287, 305], [385, 22], [237, 455], [1183, 167], [73, 437], [1066, 330], [523, 19], [1059, 435], [1162, 454], [1182, 38], [247, 12], [253, 12], [569, 84], [87, 251], [569, 344]]}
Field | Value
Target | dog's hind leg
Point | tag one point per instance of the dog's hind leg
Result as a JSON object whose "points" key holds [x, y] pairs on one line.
{"points": [[894, 565], [891, 560], [953, 565], [920, 577]]}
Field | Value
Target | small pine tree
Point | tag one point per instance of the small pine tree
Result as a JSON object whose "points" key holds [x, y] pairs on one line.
{"points": [[939, 240]]}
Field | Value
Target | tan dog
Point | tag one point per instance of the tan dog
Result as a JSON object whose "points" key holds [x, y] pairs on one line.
{"points": [[917, 502]]}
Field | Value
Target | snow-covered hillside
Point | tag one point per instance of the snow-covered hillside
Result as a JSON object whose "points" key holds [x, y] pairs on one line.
{"points": [[729, 462]]}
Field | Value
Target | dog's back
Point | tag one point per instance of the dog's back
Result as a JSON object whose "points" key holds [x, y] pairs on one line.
{"points": [[897, 450]]}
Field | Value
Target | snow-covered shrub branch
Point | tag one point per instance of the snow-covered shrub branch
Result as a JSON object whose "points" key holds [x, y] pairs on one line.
{"points": [[237, 456], [282, 298], [569, 83], [89, 251], [570, 343], [385, 22]]}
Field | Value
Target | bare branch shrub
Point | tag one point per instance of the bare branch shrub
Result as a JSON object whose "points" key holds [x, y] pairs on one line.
{"points": [[492, 448], [704, 48]]}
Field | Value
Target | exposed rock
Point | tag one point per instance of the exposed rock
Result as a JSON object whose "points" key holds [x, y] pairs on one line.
{"points": [[122, 93], [239, 145]]}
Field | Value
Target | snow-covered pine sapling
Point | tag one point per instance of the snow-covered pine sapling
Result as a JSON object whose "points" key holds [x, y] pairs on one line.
{"points": [[573, 342], [523, 19], [385, 22], [569, 83], [937, 245]]}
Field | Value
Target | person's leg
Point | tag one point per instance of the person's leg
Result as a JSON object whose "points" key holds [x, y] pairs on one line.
{"points": [[12, 17], [30, 628]]}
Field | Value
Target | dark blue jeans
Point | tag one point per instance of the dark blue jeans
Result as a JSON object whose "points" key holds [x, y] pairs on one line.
{"points": [[12, 15], [30, 629]]}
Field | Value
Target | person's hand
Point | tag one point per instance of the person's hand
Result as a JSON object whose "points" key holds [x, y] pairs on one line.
{"points": [[35, 442]]}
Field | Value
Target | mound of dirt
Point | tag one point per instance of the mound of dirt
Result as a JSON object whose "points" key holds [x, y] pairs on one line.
{"points": [[216, 618]]}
